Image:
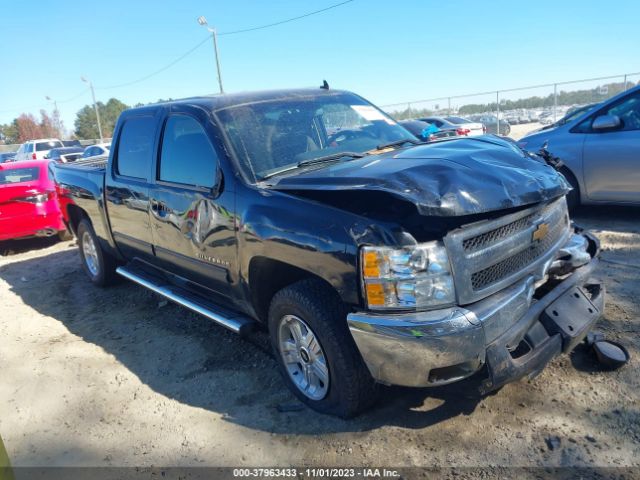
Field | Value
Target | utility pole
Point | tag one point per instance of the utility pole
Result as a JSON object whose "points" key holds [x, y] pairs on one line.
{"points": [[555, 101], [497, 113], [95, 106], [203, 21], [56, 116]]}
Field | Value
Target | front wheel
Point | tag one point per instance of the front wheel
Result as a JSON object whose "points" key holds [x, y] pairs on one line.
{"points": [[98, 264], [316, 353]]}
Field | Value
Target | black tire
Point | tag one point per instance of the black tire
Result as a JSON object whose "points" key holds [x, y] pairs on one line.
{"points": [[573, 197], [105, 264], [351, 388]]}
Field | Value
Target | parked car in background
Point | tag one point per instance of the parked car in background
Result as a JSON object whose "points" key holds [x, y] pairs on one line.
{"points": [[600, 150], [491, 124], [28, 204], [71, 143], [37, 149], [7, 157], [65, 154], [426, 132], [96, 150], [571, 115], [475, 128], [444, 124]]}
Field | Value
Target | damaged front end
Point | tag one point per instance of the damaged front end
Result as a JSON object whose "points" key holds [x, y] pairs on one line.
{"points": [[524, 294]]}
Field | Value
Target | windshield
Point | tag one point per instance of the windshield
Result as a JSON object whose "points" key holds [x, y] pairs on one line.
{"points": [[457, 120], [270, 136], [575, 114]]}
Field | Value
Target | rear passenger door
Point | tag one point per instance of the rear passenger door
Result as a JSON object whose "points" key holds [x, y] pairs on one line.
{"points": [[192, 212], [128, 181]]}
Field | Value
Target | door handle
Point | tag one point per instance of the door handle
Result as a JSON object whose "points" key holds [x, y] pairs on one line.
{"points": [[158, 207]]}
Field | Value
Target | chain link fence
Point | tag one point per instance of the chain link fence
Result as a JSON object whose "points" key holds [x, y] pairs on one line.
{"points": [[532, 105]]}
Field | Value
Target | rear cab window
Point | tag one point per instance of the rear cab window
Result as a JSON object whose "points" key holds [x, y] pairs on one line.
{"points": [[42, 146], [135, 147]]}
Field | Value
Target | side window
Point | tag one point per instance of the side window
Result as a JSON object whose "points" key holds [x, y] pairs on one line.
{"points": [[135, 147], [627, 109], [629, 112], [187, 156]]}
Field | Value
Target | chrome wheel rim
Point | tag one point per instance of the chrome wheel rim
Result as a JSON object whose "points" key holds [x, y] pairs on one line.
{"points": [[90, 253], [303, 357]]}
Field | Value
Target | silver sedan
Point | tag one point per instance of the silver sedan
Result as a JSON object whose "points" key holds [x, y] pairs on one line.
{"points": [[600, 150]]}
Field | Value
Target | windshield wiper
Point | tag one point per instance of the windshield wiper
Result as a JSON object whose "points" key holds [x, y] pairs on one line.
{"points": [[397, 143], [314, 161], [328, 158]]}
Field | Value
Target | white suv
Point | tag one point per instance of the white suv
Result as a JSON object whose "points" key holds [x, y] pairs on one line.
{"points": [[37, 149]]}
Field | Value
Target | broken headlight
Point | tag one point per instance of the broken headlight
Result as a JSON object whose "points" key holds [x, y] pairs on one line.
{"points": [[412, 277]]}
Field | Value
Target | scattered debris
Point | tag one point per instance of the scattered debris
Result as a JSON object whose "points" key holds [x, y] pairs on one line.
{"points": [[553, 443]]}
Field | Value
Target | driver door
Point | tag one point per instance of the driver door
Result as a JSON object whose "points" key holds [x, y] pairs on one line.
{"points": [[611, 158]]}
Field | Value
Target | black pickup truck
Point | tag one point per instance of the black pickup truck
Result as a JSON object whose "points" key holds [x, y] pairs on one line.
{"points": [[370, 258]]}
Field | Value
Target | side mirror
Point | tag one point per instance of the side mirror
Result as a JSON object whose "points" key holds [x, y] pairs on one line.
{"points": [[606, 122]]}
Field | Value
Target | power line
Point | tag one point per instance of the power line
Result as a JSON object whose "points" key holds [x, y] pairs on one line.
{"points": [[198, 45], [23, 109], [233, 32], [166, 67], [189, 52], [74, 97]]}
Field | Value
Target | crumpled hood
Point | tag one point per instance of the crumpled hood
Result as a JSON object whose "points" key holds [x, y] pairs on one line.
{"points": [[450, 178]]}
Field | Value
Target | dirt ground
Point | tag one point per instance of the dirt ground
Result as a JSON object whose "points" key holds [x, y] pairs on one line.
{"points": [[117, 377], [519, 131]]}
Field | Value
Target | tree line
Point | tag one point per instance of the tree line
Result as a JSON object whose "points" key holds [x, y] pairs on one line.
{"points": [[575, 97], [27, 127]]}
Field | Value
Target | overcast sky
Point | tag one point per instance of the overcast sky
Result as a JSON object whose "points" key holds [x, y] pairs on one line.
{"points": [[387, 51]]}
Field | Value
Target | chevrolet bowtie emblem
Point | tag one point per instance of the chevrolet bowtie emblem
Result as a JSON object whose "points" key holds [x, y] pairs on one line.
{"points": [[540, 232]]}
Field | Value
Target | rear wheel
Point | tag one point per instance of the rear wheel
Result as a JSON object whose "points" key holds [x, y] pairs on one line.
{"points": [[316, 353], [99, 265]]}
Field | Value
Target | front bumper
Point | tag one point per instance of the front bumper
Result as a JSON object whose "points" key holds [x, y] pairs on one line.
{"points": [[515, 332]]}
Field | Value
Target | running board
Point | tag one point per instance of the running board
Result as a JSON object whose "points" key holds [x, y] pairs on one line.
{"points": [[233, 321]]}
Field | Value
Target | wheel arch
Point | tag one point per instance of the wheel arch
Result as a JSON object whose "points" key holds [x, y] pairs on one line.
{"points": [[267, 276]]}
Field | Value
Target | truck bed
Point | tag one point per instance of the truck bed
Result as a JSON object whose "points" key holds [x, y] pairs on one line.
{"points": [[92, 163]]}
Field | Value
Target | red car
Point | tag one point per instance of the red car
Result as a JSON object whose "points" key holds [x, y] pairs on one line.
{"points": [[28, 204]]}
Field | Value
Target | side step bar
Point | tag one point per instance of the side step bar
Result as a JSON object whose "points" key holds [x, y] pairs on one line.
{"points": [[237, 323]]}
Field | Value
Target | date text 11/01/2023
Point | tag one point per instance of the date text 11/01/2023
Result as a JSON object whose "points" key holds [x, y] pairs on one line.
{"points": [[315, 472]]}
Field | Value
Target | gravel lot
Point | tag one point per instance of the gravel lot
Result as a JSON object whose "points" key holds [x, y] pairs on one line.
{"points": [[118, 377]]}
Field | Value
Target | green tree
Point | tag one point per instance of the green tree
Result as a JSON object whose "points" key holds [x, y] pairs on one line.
{"points": [[9, 132], [86, 125]]}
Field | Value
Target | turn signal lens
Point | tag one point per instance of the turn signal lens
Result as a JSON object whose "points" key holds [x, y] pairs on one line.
{"points": [[375, 294], [371, 268]]}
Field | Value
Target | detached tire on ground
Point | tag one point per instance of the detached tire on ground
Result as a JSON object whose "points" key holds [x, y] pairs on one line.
{"points": [[316, 353], [99, 265]]}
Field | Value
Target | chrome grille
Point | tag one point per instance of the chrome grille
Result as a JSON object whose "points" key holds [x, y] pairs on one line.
{"points": [[489, 256], [476, 243]]}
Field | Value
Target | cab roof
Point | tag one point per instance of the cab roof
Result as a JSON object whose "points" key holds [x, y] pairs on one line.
{"points": [[221, 101]]}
